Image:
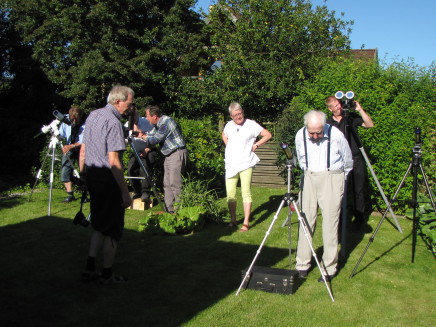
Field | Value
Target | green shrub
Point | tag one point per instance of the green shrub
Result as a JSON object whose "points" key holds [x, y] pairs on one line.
{"points": [[425, 213], [198, 192], [205, 148], [185, 220], [197, 204]]}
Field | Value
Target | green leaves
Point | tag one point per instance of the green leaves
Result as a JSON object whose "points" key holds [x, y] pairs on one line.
{"points": [[425, 213], [267, 49], [85, 47], [184, 221]]}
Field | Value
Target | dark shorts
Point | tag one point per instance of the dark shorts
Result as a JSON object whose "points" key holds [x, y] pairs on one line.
{"points": [[67, 169], [107, 214]]}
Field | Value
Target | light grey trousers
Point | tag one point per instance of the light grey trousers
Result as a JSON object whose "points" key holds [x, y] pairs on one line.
{"points": [[324, 189], [174, 166]]}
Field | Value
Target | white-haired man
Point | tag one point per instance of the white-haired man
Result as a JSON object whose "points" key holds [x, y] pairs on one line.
{"points": [[325, 157]]}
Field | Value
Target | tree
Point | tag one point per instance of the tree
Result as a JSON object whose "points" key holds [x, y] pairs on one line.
{"points": [[24, 89], [267, 50], [86, 46]]}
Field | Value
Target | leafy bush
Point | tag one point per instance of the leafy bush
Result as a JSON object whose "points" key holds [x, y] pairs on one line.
{"points": [[197, 192], [427, 221], [197, 204], [205, 148], [185, 220]]}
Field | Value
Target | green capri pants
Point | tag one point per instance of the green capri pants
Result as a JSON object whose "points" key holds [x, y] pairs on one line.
{"points": [[232, 182]]}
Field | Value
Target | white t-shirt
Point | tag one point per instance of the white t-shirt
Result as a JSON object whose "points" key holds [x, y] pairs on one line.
{"points": [[238, 154]]}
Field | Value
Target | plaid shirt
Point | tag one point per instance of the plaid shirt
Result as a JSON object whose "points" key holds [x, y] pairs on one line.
{"points": [[168, 133], [103, 134]]}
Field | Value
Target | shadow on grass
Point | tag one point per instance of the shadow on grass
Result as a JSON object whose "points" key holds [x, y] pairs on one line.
{"points": [[12, 201], [264, 211], [171, 278]]}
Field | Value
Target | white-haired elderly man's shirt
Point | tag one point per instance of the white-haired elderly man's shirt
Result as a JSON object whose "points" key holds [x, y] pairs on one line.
{"points": [[340, 152]]}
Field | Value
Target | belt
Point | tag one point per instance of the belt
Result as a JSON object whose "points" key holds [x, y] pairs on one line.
{"points": [[175, 150]]}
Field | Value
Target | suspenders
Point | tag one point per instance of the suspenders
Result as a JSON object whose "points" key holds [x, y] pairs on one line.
{"points": [[328, 147]]}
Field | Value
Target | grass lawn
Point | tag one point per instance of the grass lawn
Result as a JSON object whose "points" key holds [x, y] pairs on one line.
{"points": [[192, 280]]}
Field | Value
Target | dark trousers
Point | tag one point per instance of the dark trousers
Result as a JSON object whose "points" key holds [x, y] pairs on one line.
{"points": [[142, 186], [107, 214], [359, 186]]}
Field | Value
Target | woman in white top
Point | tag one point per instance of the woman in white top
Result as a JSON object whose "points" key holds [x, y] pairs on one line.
{"points": [[240, 135]]}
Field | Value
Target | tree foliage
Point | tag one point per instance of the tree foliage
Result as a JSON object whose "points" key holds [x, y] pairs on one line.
{"points": [[267, 49], [86, 46]]}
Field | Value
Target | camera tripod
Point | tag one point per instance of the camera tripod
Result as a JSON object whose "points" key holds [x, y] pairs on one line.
{"points": [[145, 171], [350, 132], [413, 166], [51, 152], [288, 199]]}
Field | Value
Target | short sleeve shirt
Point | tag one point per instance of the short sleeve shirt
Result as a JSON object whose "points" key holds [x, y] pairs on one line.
{"points": [[103, 134], [239, 155]]}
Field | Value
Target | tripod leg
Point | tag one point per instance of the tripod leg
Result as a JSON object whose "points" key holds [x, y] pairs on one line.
{"points": [[247, 274], [362, 150], [306, 229], [144, 169], [38, 174], [415, 205], [415, 202], [75, 172], [424, 176], [288, 203], [381, 220], [51, 177]]}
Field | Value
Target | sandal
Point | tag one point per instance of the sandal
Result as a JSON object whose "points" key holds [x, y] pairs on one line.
{"points": [[232, 224], [114, 279], [90, 275], [244, 228]]}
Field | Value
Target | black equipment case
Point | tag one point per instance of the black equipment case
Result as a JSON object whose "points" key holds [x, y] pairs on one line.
{"points": [[271, 280]]}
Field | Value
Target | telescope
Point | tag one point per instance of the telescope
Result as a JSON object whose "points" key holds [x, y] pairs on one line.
{"points": [[53, 126]]}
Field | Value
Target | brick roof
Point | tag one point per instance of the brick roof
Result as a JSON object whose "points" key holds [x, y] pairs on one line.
{"points": [[365, 54]]}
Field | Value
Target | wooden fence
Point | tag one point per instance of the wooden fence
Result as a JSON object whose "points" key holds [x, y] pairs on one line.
{"points": [[267, 173]]}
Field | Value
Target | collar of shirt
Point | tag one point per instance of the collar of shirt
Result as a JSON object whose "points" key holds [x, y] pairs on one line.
{"points": [[324, 137], [114, 111]]}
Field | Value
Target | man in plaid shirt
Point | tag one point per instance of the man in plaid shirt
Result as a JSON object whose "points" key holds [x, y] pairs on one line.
{"points": [[173, 147]]}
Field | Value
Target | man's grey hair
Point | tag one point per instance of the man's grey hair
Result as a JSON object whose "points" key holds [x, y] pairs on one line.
{"points": [[119, 92], [234, 106], [315, 115]]}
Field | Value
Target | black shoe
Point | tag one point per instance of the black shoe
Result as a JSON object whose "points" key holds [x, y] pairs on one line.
{"points": [[136, 196], [361, 228], [69, 198], [328, 278], [302, 273]]}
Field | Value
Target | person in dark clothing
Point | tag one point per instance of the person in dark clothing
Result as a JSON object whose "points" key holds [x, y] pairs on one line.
{"points": [[359, 177], [101, 164], [148, 155], [72, 135]]}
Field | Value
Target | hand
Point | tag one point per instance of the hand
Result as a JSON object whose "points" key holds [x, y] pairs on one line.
{"points": [[358, 107], [67, 148], [127, 200]]}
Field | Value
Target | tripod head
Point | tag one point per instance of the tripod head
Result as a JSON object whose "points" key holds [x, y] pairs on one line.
{"points": [[417, 152], [290, 157]]}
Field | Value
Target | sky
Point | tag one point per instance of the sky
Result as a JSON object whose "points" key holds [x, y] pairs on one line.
{"points": [[398, 29]]}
